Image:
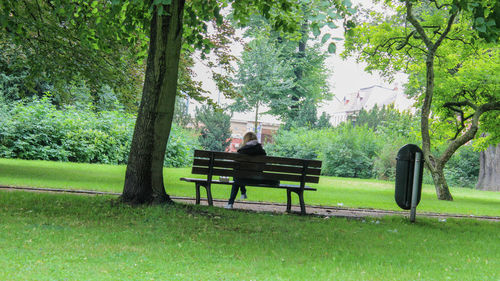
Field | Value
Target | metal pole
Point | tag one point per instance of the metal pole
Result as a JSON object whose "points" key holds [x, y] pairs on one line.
{"points": [[414, 195]]}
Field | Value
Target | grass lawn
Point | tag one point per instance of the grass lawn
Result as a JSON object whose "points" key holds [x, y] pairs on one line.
{"points": [[331, 191], [76, 237]]}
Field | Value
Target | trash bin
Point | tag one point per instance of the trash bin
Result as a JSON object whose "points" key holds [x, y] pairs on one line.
{"points": [[405, 169]]}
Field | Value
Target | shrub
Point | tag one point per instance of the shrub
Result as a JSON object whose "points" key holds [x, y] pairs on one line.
{"points": [[215, 127], [345, 151], [301, 143], [351, 153], [463, 168], [37, 130], [384, 165], [180, 147]]}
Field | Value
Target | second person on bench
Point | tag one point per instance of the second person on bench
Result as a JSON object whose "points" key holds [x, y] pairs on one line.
{"points": [[250, 147]]}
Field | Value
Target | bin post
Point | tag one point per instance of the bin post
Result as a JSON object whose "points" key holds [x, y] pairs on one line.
{"points": [[414, 194]]}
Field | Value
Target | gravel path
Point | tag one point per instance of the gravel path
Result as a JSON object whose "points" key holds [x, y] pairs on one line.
{"points": [[326, 211]]}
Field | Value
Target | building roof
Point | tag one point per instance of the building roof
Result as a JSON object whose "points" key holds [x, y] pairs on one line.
{"points": [[367, 98]]}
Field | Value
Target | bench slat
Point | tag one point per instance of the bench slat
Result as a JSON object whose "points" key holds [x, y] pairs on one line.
{"points": [[254, 175], [255, 166], [256, 159], [291, 186]]}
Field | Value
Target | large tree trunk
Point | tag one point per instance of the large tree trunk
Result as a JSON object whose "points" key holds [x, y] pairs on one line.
{"points": [[144, 175], [489, 170], [435, 165], [442, 190]]}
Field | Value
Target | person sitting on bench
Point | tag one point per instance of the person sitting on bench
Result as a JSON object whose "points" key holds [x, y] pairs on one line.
{"points": [[250, 147]]}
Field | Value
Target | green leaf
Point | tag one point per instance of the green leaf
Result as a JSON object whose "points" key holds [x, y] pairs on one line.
{"points": [[325, 38], [332, 25], [332, 48], [481, 28], [491, 22], [315, 30]]}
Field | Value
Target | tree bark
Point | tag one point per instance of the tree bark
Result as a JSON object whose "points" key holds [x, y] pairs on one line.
{"points": [[489, 170], [442, 190], [435, 165], [256, 117], [144, 175]]}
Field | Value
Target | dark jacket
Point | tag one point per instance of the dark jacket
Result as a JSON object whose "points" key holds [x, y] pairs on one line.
{"points": [[252, 148]]}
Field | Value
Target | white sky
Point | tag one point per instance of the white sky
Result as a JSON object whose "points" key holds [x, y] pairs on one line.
{"points": [[347, 76]]}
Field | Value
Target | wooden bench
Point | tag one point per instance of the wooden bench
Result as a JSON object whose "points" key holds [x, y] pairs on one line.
{"points": [[256, 168]]}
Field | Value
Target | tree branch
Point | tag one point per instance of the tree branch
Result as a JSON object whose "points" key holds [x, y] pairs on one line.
{"points": [[411, 18], [456, 107], [471, 132], [446, 31], [403, 44], [440, 7]]}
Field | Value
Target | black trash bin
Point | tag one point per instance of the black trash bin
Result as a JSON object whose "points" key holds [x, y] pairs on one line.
{"points": [[405, 169]]}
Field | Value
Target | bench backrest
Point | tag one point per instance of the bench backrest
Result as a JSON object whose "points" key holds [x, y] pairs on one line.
{"points": [[212, 163]]}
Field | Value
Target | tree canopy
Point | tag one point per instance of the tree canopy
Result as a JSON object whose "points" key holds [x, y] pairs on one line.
{"points": [[439, 44]]}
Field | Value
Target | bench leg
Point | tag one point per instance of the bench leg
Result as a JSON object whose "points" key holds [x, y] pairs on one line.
{"points": [[209, 195], [197, 193], [302, 204], [288, 200]]}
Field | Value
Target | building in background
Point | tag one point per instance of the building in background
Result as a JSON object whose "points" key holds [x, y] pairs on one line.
{"points": [[348, 107], [265, 133]]}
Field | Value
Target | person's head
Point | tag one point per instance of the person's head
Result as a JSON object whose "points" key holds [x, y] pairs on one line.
{"points": [[250, 136]]}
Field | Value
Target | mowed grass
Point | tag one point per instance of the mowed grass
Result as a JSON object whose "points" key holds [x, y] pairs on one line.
{"points": [[359, 193], [47, 236]]}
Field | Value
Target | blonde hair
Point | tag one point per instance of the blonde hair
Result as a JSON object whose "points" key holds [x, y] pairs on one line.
{"points": [[249, 137]]}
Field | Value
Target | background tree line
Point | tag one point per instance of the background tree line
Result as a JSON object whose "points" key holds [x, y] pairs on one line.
{"points": [[102, 52]]}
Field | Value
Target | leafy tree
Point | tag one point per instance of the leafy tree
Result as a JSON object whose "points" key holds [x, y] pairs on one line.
{"points": [[263, 76], [61, 41], [307, 118], [323, 121], [306, 60], [388, 120], [455, 95], [215, 128]]}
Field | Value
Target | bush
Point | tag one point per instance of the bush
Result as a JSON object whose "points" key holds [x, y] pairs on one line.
{"points": [[180, 147], [351, 153], [215, 128], [463, 168], [345, 151], [384, 165], [37, 130], [300, 143]]}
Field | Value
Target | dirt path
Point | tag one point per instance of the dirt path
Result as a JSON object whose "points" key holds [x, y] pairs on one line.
{"points": [[326, 211]]}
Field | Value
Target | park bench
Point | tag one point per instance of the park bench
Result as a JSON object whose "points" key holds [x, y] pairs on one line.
{"points": [[259, 169]]}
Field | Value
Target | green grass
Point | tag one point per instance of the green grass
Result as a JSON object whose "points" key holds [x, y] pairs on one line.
{"points": [[73, 237], [331, 191]]}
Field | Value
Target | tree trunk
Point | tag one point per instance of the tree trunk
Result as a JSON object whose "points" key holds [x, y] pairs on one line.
{"points": [[435, 165], [442, 190], [256, 117], [489, 170], [299, 71], [144, 175]]}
